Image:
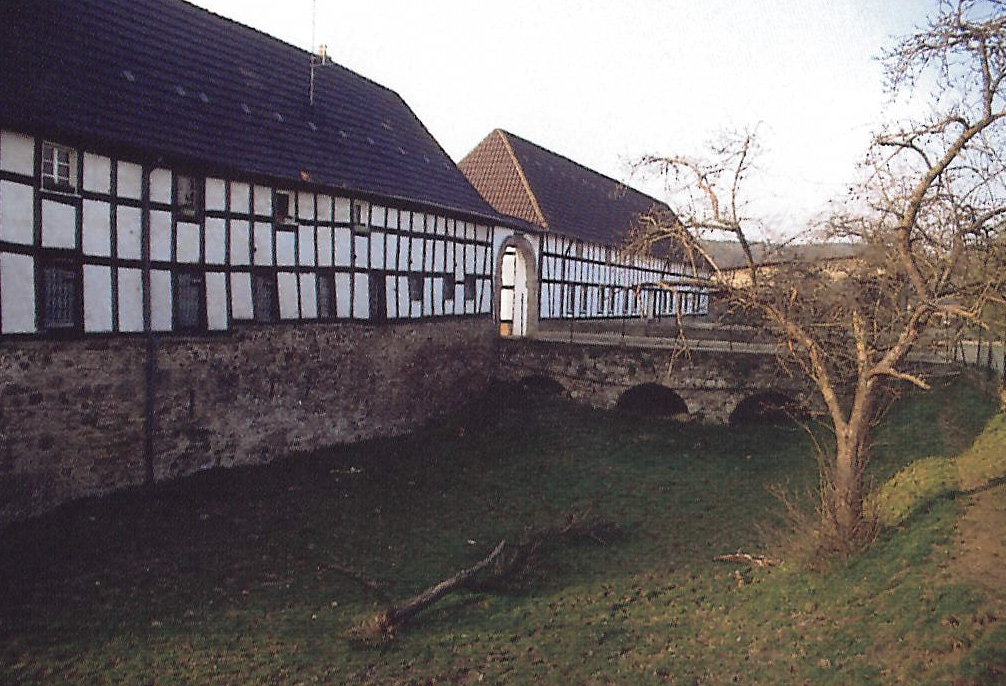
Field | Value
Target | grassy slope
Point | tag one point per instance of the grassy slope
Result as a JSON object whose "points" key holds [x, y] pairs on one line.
{"points": [[235, 577]]}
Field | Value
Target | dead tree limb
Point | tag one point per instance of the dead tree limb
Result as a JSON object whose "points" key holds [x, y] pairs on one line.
{"points": [[386, 623], [744, 558]]}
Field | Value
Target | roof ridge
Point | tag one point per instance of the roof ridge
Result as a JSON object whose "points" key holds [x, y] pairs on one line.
{"points": [[523, 179], [284, 43], [593, 172]]}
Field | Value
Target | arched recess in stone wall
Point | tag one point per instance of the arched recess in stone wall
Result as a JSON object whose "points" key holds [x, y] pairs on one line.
{"points": [[542, 385], [517, 312], [652, 400], [767, 408]]}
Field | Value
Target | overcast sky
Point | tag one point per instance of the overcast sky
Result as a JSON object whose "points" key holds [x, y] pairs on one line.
{"points": [[604, 82]]}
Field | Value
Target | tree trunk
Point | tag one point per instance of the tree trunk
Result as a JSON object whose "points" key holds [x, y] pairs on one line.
{"points": [[844, 502]]}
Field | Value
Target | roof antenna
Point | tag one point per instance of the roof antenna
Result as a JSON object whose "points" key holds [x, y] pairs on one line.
{"points": [[319, 57]]}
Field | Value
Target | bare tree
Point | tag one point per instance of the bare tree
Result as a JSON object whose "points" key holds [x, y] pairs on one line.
{"points": [[930, 223]]}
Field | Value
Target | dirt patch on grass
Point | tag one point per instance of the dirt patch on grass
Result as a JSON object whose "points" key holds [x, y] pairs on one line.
{"points": [[981, 535]]}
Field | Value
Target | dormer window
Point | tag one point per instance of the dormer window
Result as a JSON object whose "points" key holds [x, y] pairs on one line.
{"points": [[59, 168], [282, 208], [361, 215], [189, 197]]}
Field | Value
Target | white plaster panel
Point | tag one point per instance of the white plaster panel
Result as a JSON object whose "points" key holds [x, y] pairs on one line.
{"points": [[216, 301], [428, 256], [160, 300], [97, 298], [429, 221], [97, 226], [17, 293], [469, 261], [289, 301], [305, 205], [130, 300], [377, 250], [17, 213], [241, 295], [216, 194], [324, 246], [160, 186], [428, 296], [343, 247], [325, 208], [482, 233], [360, 258], [97, 173], [341, 209], [160, 235], [59, 225], [415, 308], [286, 248], [416, 255], [187, 236], [262, 250], [216, 240], [390, 298], [306, 249], [361, 296], [17, 153], [439, 249], [378, 216], [129, 181], [239, 243], [392, 220], [308, 296], [127, 231], [342, 294], [391, 250], [240, 194], [263, 201]]}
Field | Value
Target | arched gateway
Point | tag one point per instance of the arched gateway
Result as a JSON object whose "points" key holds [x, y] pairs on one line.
{"points": [[516, 288]]}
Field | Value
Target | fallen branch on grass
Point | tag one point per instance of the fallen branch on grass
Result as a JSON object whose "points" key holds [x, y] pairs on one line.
{"points": [[505, 562], [744, 558]]}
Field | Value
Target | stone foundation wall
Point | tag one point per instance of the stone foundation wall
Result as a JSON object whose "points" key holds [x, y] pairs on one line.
{"points": [[74, 414]]}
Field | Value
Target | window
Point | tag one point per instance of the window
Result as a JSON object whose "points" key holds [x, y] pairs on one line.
{"points": [[417, 284], [62, 301], [189, 197], [470, 288], [448, 288], [361, 215], [190, 301], [326, 296], [59, 168], [282, 206], [265, 297]]}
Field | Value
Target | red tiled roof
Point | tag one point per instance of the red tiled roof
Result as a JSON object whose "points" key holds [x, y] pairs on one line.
{"points": [[544, 188]]}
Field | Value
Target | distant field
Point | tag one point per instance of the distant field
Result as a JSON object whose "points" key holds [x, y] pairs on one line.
{"points": [[256, 575]]}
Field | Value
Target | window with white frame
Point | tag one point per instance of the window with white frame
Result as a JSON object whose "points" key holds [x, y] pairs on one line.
{"points": [[59, 168]]}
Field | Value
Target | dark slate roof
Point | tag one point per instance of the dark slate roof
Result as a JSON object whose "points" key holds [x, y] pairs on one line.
{"points": [[164, 77], [527, 181]]}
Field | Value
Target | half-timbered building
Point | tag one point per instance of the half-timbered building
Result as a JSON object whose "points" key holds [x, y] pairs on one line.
{"points": [[216, 248], [579, 268]]}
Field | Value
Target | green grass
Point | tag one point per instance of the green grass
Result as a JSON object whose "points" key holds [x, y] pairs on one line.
{"points": [[239, 577]]}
